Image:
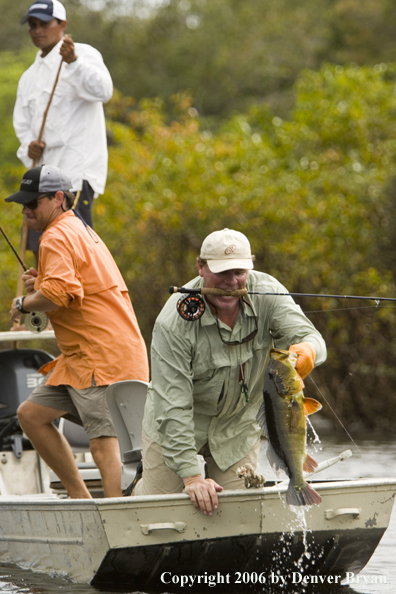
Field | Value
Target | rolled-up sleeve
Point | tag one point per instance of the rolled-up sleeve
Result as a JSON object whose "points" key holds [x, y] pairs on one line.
{"points": [[289, 325], [60, 283]]}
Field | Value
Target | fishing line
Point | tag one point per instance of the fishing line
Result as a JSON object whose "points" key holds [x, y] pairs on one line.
{"points": [[351, 308], [335, 414]]}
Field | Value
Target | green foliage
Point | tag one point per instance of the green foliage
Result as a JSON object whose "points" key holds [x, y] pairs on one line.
{"points": [[311, 193], [11, 68], [229, 54], [362, 31], [225, 52]]}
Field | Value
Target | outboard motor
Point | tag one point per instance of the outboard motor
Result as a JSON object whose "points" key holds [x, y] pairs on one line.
{"points": [[18, 378]]}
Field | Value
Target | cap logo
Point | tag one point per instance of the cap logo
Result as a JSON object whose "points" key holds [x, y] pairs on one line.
{"points": [[35, 6], [230, 249], [27, 181]]}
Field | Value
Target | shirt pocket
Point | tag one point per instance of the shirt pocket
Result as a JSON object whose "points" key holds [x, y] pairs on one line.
{"points": [[208, 386]]}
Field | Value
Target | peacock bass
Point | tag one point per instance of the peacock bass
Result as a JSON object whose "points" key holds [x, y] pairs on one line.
{"points": [[282, 418]]}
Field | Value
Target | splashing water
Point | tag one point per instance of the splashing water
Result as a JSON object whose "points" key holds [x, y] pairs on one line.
{"points": [[302, 525], [316, 436]]}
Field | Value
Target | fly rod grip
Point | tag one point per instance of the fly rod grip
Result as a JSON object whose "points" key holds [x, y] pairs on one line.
{"points": [[209, 291]]}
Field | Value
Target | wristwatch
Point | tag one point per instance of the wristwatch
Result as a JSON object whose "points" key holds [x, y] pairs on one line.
{"points": [[19, 304]]}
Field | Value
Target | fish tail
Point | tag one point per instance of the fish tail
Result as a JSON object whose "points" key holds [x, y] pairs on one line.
{"points": [[302, 496]]}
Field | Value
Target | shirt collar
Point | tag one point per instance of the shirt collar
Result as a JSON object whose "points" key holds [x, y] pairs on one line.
{"points": [[52, 57], [61, 216]]}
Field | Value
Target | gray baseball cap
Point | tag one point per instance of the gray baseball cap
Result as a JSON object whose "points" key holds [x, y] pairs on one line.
{"points": [[40, 180]]}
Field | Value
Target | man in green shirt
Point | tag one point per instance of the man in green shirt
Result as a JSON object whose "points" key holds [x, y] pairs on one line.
{"points": [[208, 374]]}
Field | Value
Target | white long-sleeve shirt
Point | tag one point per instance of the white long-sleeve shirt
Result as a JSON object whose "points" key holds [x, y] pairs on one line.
{"points": [[75, 130]]}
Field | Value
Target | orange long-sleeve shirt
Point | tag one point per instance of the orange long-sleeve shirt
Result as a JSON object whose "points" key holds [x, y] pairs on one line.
{"points": [[95, 325]]}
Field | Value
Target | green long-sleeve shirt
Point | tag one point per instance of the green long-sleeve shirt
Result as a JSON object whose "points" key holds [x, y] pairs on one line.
{"points": [[195, 395]]}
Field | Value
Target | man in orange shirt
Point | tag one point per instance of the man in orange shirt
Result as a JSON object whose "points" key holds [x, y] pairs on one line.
{"points": [[83, 293]]}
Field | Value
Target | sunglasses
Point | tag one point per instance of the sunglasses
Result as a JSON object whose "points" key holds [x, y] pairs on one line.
{"points": [[33, 204], [236, 342]]}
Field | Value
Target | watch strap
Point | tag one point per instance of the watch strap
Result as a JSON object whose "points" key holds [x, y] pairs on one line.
{"points": [[19, 304]]}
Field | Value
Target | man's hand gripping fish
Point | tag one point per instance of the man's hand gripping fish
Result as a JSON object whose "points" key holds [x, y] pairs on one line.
{"points": [[282, 418]]}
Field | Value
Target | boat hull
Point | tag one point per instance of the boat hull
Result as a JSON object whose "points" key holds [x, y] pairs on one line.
{"points": [[230, 562], [148, 543]]}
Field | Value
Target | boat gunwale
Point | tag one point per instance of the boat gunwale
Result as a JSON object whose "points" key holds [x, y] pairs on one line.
{"points": [[385, 483]]}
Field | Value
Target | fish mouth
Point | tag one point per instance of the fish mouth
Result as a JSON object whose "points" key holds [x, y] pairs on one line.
{"points": [[281, 355]]}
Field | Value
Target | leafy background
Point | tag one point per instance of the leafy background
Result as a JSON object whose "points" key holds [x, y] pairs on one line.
{"points": [[274, 119]]}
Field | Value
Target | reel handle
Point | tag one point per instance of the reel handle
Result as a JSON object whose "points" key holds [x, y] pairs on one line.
{"points": [[36, 321], [208, 291]]}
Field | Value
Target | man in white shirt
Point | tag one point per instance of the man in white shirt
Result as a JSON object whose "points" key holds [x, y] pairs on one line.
{"points": [[74, 137]]}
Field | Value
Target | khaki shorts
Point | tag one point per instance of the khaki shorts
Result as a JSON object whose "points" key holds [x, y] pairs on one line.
{"points": [[86, 407], [158, 479]]}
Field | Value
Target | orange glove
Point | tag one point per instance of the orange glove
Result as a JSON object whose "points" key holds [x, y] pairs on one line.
{"points": [[306, 358]]}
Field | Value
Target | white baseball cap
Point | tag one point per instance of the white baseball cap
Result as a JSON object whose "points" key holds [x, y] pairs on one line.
{"points": [[45, 10], [226, 249]]}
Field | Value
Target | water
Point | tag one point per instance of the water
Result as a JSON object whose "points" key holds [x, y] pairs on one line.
{"points": [[371, 458]]}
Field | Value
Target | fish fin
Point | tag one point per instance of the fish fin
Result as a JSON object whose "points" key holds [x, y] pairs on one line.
{"points": [[305, 496], [275, 461], [261, 418], [310, 496], [310, 464], [311, 406], [295, 414]]}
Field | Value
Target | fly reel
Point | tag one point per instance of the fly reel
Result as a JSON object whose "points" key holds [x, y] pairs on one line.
{"points": [[36, 321], [191, 307]]}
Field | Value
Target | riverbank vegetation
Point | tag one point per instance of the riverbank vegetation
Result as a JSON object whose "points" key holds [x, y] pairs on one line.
{"points": [[304, 165]]}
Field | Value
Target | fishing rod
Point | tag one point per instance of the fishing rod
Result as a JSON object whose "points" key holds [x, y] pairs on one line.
{"points": [[13, 249], [45, 114], [191, 307], [242, 292], [34, 321]]}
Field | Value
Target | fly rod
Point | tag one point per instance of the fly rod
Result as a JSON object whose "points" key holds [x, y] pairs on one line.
{"points": [[13, 249], [242, 292], [19, 258]]}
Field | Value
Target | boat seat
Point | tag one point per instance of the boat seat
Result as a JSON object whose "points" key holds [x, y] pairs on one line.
{"points": [[126, 401], [75, 435], [79, 442]]}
